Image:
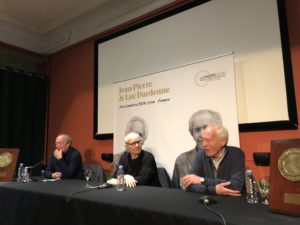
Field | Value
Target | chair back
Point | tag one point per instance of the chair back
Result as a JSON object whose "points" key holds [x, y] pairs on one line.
{"points": [[164, 178], [98, 174]]}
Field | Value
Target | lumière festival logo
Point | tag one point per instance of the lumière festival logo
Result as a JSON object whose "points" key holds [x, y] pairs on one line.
{"points": [[203, 77]]}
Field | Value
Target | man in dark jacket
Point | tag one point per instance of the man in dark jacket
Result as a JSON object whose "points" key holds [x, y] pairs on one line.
{"points": [[139, 165], [218, 169], [66, 162]]}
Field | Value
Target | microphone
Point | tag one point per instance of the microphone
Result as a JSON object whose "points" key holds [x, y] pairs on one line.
{"points": [[104, 186], [31, 167], [206, 199], [27, 174]]}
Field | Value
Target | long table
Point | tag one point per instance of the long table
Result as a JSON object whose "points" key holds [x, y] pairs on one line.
{"points": [[68, 202]]}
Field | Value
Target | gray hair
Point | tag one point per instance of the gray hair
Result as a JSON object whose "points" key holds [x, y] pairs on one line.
{"points": [[216, 118], [221, 132], [132, 135], [67, 138]]}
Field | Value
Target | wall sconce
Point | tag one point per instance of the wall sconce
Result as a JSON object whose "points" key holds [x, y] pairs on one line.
{"points": [[261, 158], [108, 157]]}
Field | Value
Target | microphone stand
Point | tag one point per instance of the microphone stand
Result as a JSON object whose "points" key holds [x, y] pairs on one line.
{"points": [[27, 174], [207, 199]]}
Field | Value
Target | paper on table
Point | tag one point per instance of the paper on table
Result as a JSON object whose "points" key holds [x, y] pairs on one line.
{"points": [[46, 180]]}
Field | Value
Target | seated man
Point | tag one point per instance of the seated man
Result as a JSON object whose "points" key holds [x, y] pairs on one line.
{"points": [[139, 165], [197, 122], [66, 161], [218, 169], [135, 124]]}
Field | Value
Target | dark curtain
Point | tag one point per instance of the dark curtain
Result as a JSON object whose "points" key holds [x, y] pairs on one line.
{"points": [[23, 100]]}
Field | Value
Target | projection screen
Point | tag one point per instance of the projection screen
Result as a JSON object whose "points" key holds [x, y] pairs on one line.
{"points": [[254, 30]]}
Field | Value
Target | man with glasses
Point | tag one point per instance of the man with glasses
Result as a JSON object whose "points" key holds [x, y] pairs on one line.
{"points": [[135, 124], [139, 165], [197, 122]]}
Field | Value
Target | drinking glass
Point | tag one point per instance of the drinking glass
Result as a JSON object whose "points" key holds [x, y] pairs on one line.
{"points": [[87, 175], [263, 185]]}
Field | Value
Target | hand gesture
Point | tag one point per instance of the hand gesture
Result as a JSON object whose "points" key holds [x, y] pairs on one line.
{"points": [[56, 175], [222, 190], [189, 179], [58, 154], [112, 181], [130, 181]]}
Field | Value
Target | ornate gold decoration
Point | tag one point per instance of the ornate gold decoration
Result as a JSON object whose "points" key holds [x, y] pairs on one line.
{"points": [[289, 164], [5, 159]]}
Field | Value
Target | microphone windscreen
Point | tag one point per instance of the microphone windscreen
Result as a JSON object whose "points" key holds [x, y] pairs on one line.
{"points": [[207, 200]]}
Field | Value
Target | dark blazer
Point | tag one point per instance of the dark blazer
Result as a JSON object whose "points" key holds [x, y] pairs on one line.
{"points": [[70, 165]]}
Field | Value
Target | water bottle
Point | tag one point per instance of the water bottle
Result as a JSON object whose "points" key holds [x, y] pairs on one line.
{"points": [[120, 179], [20, 173], [251, 188]]}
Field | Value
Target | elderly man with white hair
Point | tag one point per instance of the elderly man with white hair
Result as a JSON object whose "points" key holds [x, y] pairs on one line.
{"points": [[139, 165], [66, 161], [218, 169]]}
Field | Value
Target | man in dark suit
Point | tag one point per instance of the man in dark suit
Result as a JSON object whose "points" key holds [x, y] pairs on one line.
{"points": [[66, 162]]}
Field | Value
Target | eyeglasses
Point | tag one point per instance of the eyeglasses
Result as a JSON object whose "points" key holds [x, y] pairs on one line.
{"points": [[136, 143]]}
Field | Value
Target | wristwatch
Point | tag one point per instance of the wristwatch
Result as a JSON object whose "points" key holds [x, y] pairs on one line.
{"points": [[202, 180]]}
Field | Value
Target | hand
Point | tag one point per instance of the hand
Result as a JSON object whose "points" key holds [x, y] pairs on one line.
{"points": [[58, 154], [222, 190], [112, 181], [189, 179], [130, 181], [56, 175]]}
